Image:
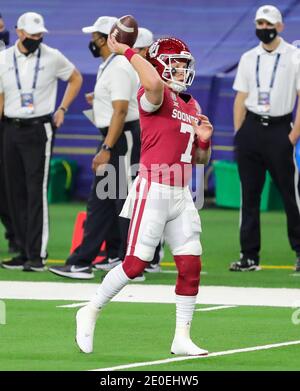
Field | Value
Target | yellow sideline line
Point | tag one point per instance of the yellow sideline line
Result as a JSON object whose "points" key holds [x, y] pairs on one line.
{"points": [[266, 267], [278, 267]]}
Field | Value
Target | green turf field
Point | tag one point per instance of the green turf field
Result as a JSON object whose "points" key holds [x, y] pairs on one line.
{"points": [[39, 336], [220, 246]]}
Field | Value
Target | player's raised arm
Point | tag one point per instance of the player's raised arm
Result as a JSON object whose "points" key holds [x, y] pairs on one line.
{"points": [[149, 77]]}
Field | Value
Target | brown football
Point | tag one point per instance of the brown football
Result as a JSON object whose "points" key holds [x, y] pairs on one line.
{"points": [[125, 30]]}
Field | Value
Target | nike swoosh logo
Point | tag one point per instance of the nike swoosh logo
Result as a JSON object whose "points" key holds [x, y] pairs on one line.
{"points": [[78, 269]]}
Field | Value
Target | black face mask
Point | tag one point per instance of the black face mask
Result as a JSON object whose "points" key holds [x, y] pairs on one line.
{"points": [[266, 35], [31, 44], [4, 36], [94, 49]]}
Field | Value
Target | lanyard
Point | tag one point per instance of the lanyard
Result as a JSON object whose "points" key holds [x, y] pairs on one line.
{"points": [[273, 73], [105, 66], [36, 71]]}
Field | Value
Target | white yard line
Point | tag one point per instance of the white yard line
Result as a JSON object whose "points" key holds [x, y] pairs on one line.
{"points": [[219, 307], [143, 293], [73, 305], [216, 354]]}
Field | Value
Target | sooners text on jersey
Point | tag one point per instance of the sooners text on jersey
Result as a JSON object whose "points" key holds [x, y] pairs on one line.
{"points": [[168, 141]]}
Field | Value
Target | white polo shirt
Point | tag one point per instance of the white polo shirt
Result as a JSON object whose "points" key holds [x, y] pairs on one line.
{"points": [[116, 80], [286, 83], [53, 66]]}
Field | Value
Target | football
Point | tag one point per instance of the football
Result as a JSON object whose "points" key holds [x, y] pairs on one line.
{"points": [[125, 30]]}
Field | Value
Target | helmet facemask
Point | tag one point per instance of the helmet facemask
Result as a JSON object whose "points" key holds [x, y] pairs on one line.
{"points": [[171, 70]]}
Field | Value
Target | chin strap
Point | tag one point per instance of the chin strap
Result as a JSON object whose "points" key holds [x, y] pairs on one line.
{"points": [[177, 87]]}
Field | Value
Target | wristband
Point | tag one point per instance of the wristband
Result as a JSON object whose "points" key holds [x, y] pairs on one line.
{"points": [[129, 53], [63, 109], [204, 145]]}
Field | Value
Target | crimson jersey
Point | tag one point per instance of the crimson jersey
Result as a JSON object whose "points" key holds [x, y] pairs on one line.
{"points": [[168, 141]]}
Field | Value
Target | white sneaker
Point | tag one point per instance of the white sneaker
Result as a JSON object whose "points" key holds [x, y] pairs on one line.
{"points": [[186, 347], [86, 319]]}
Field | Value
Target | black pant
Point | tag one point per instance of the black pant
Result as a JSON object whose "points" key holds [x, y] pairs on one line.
{"points": [[4, 213], [260, 148], [27, 153], [103, 221]]}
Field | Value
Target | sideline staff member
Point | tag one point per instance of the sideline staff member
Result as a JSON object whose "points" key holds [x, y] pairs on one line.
{"points": [[29, 71], [267, 84]]}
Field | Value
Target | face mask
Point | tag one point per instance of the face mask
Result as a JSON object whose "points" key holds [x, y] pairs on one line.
{"points": [[4, 36], [94, 49], [266, 35], [31, 44]]}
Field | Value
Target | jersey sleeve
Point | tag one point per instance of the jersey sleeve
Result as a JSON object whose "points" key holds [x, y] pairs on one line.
{"points": [[298, 72], [121, 86], [64, 67], [241, 80]]}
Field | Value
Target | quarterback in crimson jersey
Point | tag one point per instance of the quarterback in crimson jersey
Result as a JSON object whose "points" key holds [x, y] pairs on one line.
{"points": [[174, 135]]}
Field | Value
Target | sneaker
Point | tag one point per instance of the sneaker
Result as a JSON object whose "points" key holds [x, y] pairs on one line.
{"points": [[108, 264], [153, 268], [86, 319], [73, 271], [37, 265], [16, 263], [140, 278], [244, 265], [297, 266], [186, 347]]}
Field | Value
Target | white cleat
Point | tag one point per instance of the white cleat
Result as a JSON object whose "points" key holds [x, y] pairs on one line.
{"points": [[186, 347], [86, 319]]}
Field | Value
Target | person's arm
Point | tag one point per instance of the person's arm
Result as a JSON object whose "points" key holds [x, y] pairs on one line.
{"points": [[203, 132], [73, 87], [295, 132], [120, 109], [239, 109], [149, 77]]}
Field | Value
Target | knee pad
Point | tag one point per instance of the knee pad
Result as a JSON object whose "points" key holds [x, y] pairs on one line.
{"points": [[148, 240], [189, 268], [133, 266]]}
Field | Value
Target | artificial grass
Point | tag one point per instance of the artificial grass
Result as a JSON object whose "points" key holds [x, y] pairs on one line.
{"points": [[40, 336], [220, 247]]}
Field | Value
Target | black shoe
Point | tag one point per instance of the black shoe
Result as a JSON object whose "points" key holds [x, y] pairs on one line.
{"points": [[16, 263], [73, 271], [244, 265], [108, 264], [153, 268], [35, 266], [297, 266]]}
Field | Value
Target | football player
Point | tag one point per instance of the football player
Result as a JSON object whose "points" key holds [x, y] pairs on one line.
{"points": [[174, 135]]}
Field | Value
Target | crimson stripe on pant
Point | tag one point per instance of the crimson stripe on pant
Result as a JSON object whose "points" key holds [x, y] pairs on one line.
{"points": [[143, 187]]}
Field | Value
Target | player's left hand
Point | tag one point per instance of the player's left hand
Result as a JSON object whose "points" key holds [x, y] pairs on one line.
{"points": [[204, 129], [58, 118], [100, 161], [115, 46]]}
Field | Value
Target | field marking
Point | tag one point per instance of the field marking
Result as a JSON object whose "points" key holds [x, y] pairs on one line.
{"points": [[73, 305], [168, 263], [219, 307], [295, 274], [186, 358], [144, 293], [277, 267]]}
